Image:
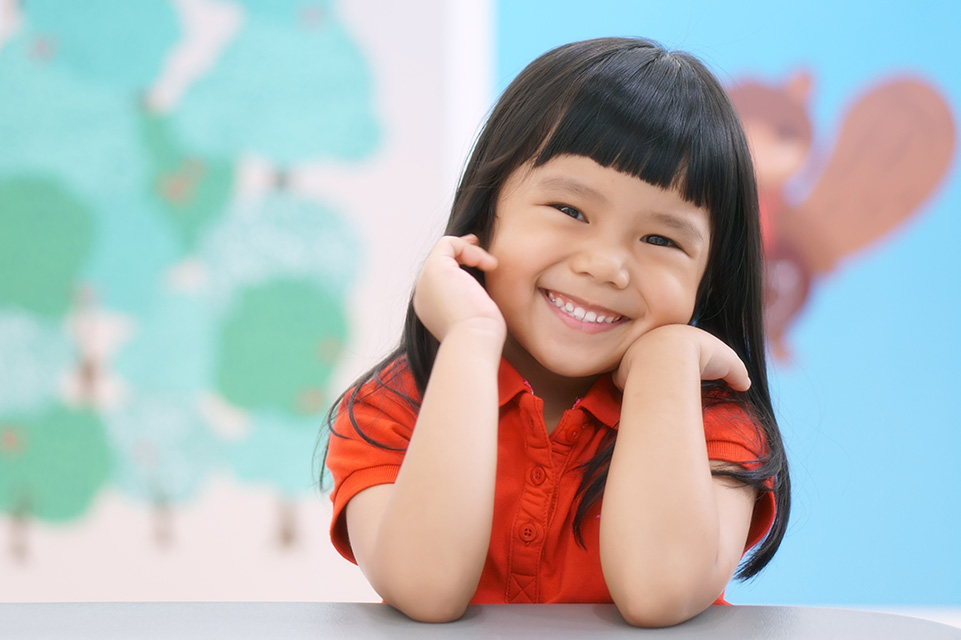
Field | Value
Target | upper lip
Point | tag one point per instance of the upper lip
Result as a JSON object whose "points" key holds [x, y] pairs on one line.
{"points": [[586, 306]]}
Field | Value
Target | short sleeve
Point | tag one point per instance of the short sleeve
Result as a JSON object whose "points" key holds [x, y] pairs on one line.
{"points": [[367, 446], [732, 436]]}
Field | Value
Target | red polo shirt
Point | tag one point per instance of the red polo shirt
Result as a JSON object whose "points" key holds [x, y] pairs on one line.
{"points": [[533, 555]]}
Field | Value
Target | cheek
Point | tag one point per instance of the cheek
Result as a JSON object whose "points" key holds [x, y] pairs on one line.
{"points": [[678, 296], [514, 266], [500, 285], [683, 309]]}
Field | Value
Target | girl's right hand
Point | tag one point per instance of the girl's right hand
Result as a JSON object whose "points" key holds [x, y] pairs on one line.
{"points": [[447, 296]]}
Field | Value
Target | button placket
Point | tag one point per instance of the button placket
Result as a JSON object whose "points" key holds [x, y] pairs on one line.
{"points": [[530, 529]]}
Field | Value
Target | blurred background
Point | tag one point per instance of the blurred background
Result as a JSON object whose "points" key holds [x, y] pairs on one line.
{"points": [[212, 211]]}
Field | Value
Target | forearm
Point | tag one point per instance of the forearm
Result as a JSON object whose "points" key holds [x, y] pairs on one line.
{"points": [[432, 540], [660, 529]]}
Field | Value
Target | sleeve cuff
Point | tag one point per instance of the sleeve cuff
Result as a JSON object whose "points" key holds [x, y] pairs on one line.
{"points": [[345, 491]]}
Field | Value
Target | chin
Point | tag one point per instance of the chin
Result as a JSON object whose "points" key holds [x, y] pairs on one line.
{"points": [[575, 370]]}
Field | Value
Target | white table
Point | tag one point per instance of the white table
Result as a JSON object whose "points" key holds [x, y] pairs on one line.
{"points": [[282, 621]]}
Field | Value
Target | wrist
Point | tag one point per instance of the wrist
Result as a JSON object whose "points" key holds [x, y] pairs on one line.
{"points": [[483, 333], [678, 348]]}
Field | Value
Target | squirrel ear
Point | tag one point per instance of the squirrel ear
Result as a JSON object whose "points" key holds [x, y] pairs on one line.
{"points": [[799, 85]]}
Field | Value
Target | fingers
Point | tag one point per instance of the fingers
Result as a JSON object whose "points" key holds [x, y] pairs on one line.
{"points": [[724, 364], [467, 252], [738, 379]]}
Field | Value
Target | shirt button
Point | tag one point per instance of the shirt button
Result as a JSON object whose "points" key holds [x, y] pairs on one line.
{"points": [[529, 532], [573, 434], [538, 475]]}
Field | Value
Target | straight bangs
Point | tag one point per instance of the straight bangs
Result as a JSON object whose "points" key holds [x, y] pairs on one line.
{"points": [[653, 115]]}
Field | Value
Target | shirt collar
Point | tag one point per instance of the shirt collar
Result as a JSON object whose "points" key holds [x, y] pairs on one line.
{"points": [[603, 399]]}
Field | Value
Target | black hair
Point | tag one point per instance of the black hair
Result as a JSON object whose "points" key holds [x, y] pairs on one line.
{"points": [[631, 105]]}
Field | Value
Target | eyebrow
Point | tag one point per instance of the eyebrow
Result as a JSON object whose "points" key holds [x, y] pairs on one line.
{"points": [[679, 223], [572, 186]]}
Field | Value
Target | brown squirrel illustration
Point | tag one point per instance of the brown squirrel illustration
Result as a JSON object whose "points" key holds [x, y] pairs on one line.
{"points": [[893, 148]]}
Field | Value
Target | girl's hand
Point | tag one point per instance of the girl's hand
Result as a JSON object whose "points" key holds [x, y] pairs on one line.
{"points": [[447, 296], [715, 360]]}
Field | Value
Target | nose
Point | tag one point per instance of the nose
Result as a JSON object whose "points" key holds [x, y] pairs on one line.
{"points": [[605, 262]]}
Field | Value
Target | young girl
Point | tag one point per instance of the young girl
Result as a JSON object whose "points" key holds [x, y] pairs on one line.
{"points": [[578, 410]]}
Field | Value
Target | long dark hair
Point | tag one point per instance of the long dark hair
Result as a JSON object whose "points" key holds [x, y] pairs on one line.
{"points": [[629, 104]]}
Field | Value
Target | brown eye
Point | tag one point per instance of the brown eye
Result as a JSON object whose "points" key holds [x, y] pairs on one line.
{"points": [[659, 241], [569, 211]]}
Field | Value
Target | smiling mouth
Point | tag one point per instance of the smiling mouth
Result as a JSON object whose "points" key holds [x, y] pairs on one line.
{"points": [[578, 312]]}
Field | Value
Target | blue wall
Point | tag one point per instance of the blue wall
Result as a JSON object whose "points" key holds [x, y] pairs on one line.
{"points": [[868, 404]]}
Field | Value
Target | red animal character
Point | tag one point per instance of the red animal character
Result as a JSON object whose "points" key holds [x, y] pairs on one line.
{"points": [[893, 148]]}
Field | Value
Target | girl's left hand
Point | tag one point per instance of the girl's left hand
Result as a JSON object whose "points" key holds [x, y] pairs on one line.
{"points": [[669, 343]]}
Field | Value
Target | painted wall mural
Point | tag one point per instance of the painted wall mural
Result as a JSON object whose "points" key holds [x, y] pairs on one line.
{"points": [[892, 150], [170, 303]]}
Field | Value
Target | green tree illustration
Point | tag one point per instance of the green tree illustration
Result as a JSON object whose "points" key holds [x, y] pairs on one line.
{"points": [[279, 347], [53, 463], [191, 190], [45, 237]]}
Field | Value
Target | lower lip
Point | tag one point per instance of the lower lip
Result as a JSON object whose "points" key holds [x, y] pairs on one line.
{"points": [[579, 325]]}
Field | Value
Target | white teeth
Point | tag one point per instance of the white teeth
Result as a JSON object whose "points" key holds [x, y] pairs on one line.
{"points": [[579, 313]]}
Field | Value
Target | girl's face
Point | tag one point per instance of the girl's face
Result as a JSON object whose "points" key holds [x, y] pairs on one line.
{"points": [[589, 260]]}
